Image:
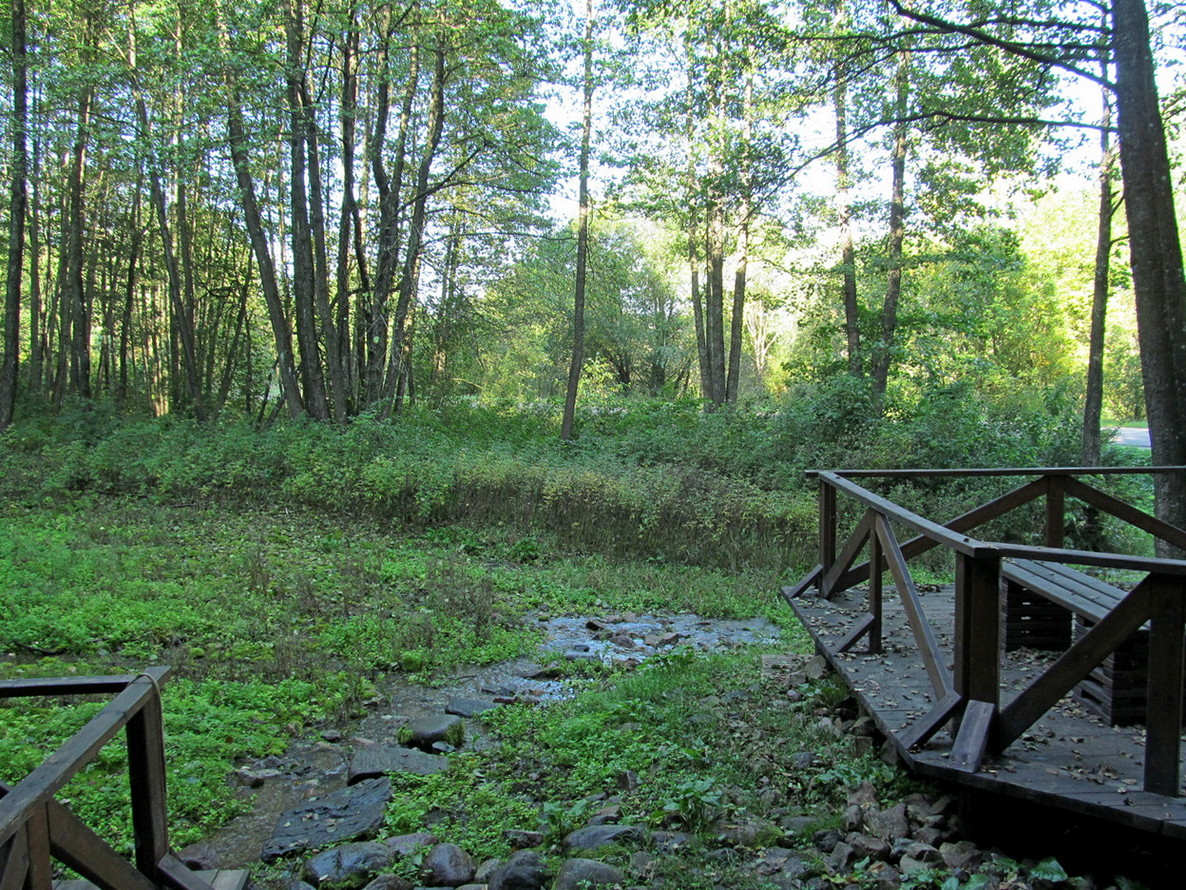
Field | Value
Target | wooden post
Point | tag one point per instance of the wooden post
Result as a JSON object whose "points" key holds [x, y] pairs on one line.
{"points": [[827, 528], [875, 592], [1163, 722], [1055, 512], [146, 772], [977, 628], [41, 874]]}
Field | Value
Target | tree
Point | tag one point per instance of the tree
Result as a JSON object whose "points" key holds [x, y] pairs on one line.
{"points": [[16, 221], [1155, 251], [578, 311]]}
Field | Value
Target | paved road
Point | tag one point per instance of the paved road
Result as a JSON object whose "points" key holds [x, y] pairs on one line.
{"points": [[1129, 435]]}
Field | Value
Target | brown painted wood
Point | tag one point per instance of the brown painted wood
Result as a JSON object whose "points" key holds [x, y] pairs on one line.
{"points": [[1163, 724], [1126, 512], [1073, 666], [848, 554], [971, 743], [883, 506], [98, 685], [972, 472], [860, 629], [811, 579], [14, 861], [977, 628], [176, 874], [827, 523], [146, 770], [40, 873], [57, 769], [1056, 519], [924, 637], [74, 844], [922, 731]]}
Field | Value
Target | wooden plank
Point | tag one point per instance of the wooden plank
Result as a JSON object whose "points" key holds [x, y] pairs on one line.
{"points": [[1072, 666], [977, 628], [14, 862], [146, 772], [74, 844], [808, 581], [973, 472], [57, 769], [1093, 558], [1163, 722], [40, 874], [921, 732], [176, 874], [1127, 512], [1055, 531], [105, 685], [851, 638], [848, 554], [827, 524], [972, 740], [924, 636], [883, 506]]}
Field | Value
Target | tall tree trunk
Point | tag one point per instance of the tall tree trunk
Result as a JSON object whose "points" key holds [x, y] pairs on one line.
{"points": [[376, 316], [350, 224], [409, 274], [76, 338], [1094, 397], [848, 265], [578, 305], [281, 332], [737, 321], [1155, 252], [302, 244], [182, 318], [883, 356], [18, 202]]}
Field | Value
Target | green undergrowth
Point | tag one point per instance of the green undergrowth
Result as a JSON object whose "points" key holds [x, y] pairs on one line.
{"points": [[689, 742], [275, 620]]}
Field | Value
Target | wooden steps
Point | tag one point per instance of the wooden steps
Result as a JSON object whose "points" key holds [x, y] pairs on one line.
{"points": [[221, 879]]}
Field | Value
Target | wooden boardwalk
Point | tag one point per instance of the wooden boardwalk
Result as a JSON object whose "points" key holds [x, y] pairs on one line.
{"points": [[1070, 759]]}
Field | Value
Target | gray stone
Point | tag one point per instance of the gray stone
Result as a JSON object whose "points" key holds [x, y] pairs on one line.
{"points": [[346, 815], [469, 707], [434, 728], [961, 854], [523, 871], [888, 825], [841, 858], [447, 865], [379, 760], [583, 874], [200, 857], [593, 836], [389, 882], [404, 845], [521, 839], [753, 832], [826, 839], [868, 847], [350, 865], [668, 841]]}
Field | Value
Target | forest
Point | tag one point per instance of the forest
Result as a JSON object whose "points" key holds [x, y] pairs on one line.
{"points": [[347, 341], [332, 209]]}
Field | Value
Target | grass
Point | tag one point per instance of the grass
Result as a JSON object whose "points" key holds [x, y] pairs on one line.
{"points": [[277, 620]]}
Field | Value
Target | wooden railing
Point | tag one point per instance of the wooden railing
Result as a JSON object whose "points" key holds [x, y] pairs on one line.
{"points": [[968, 695], [36, 829]]}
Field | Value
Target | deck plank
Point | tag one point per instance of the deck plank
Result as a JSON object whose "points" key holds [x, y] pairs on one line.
{"points": [[1070, 758]]}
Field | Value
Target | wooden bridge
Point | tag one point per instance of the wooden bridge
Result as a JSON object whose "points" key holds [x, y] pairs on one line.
{"points": [[36, 829], [1031, 676]]}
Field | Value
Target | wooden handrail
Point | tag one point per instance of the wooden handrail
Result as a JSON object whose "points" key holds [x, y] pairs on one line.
{"points": [[34, 826], [974, 691]]}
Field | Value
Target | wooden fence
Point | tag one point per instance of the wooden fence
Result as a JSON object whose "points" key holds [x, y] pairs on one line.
{"points": [[36, 829], [967, 693]]}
